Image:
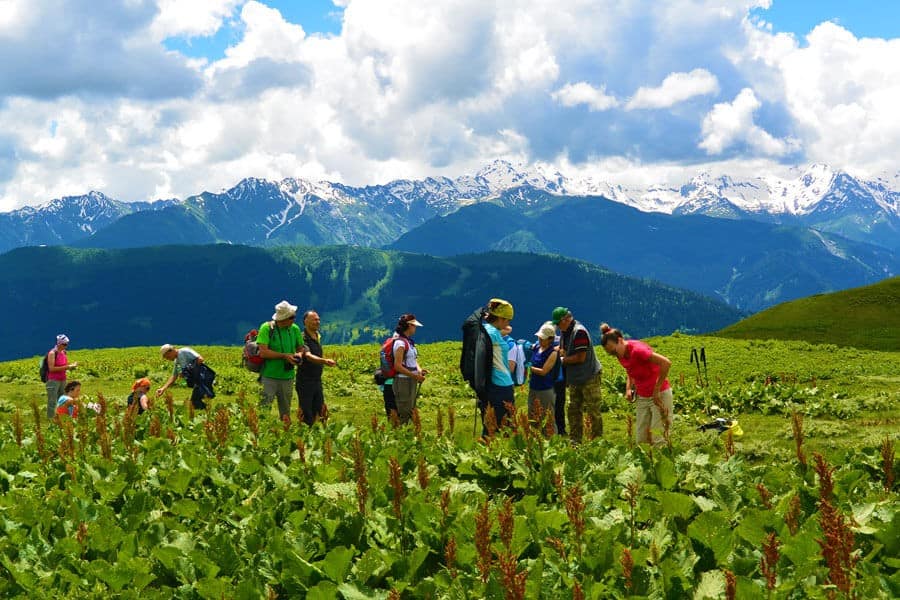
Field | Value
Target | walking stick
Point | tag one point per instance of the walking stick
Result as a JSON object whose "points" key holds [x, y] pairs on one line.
{"points": [[703, 358], [695, 358]]}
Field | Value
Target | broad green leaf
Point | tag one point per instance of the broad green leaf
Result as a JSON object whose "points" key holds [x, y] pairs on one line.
{"points": [[713, 530], [277, 477], [704, 503], [336, 563], [184, 507], [178, 481], [324, 590], [375, 563], [213, 589], [665, 473], [755, 525], [676, 505]]}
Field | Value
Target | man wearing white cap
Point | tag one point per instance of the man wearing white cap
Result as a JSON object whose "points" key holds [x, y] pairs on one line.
{"points": [[191, 366], [57, 365], [281, 346]]}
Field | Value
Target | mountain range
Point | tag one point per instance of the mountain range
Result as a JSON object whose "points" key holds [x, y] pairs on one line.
{"points": [[753, 243], [213, 294], [300, 211]]}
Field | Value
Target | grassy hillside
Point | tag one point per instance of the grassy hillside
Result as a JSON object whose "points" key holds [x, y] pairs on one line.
{"points": [[865, 317], [214, 294], [751, 265]]}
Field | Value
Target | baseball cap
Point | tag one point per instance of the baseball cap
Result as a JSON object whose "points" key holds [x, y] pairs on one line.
{"points": [[559, 313]]}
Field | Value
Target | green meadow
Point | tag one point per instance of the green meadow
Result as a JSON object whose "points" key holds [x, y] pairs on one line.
{"points": [[233, 503]]}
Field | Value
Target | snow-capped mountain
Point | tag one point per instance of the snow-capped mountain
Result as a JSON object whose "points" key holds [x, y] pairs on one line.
{"points": [[64, 220], [262, 212]]}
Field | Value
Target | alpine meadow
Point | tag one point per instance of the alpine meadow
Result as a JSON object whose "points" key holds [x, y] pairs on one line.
{"points": [[798, 500], [449, 300]]}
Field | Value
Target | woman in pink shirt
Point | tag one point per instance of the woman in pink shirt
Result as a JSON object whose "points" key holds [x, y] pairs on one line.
{"points": [[646, 384], [57, 365]]}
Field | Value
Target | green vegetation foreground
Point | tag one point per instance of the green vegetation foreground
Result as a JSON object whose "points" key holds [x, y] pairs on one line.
{"points": [[231, 503]]}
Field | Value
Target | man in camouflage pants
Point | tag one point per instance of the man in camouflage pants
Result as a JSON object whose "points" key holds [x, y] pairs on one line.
{"points": [[583, 374]]}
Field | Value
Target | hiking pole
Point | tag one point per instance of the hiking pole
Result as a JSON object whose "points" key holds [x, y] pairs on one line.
{"points": [[703, 358], [695, 358], [475, 424]]}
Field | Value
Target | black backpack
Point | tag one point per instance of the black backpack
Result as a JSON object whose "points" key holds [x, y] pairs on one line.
{"points": [[476, 360], [45, 369]]}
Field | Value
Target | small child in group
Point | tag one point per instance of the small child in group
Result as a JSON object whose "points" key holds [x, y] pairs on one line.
{"points": [[67, 404], [138, 394]]}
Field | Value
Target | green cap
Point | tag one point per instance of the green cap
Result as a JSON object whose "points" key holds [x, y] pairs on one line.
{"points": [[559, 313]]}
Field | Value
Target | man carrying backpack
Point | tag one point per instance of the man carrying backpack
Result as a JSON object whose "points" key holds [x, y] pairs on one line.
{"points": [[57, 365], [281, 346], [583, 372]]}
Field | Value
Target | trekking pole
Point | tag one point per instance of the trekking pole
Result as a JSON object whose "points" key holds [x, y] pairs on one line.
{"points": [[705, 371], [475, 424], [695, 358]]}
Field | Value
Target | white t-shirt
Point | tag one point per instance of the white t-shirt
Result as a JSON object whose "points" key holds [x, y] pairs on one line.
{"points": [[517, 355], [410, 358]]}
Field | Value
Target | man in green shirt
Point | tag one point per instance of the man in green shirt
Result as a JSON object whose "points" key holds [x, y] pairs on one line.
{"points": [[281, 346]]}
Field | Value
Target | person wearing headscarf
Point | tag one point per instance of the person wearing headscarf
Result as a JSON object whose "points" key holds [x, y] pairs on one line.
{"points": [[499, 391], [57, 366]]}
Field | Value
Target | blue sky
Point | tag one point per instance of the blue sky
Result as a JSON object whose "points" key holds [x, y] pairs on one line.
{"points": [[865, 18], [315, 16], [156, 99]]}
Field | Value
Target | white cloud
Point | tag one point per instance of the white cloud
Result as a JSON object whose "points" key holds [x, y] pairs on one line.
{"points": [[675, 88], [732, 123], [575, 94], [190, 18], [410, 88]]}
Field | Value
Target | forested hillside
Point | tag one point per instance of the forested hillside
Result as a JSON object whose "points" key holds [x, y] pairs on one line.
{"points": [[213, 294]]}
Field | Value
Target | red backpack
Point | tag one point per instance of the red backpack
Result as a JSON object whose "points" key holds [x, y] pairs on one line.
{"points": [[388, 369], [251, 360]]}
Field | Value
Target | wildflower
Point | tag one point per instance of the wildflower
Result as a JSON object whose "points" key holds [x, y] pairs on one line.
{"points": [[730, 585], [769, 560], [396, 480], [17, 426], [765, 495], [422, 474], [792, 515], [450, 556], [627, 563], [483, 541]]}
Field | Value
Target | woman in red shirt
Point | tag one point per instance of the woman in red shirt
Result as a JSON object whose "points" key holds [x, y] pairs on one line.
{"points": [[646, 384]]}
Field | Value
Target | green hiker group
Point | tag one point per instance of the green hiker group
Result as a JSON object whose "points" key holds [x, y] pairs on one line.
{"points": [[562, 363]]}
